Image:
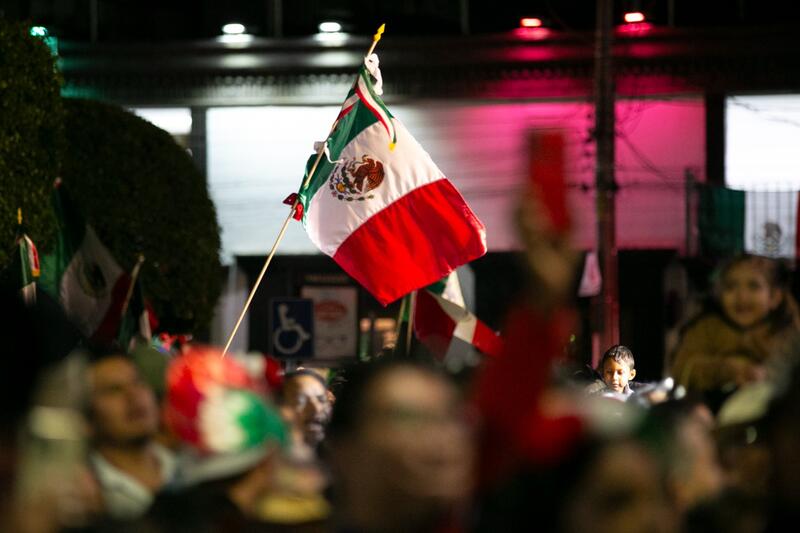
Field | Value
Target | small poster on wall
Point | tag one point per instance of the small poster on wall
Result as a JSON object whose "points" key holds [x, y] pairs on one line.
{"points": [[335, 320]]}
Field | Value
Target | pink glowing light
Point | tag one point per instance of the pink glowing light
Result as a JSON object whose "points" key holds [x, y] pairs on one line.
{"points": [[634, 28]]}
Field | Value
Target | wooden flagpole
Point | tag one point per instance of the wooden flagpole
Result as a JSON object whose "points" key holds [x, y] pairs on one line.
{"points": [[320, 153], [412, 303], [398, 328], [134, 276]]}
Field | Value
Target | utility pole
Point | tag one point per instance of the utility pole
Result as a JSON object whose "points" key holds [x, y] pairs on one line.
{"points": [[607, 309]]}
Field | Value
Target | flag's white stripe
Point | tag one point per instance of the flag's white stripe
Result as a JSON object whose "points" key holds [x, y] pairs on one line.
{"points": [[452, 291], [329, 221], [86, 305], [29, 293], [770, 223], [465, 321]]}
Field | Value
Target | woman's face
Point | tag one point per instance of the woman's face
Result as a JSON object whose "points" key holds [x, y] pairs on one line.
{"points": [[746, 296]]}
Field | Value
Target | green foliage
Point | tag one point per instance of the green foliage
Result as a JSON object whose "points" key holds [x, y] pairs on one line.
{"points": [[31, 118], [143, 194]]}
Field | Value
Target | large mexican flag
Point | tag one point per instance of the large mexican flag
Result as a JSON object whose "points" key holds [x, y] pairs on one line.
{"points": [[756, 222], [83, 275], [380, 206]]}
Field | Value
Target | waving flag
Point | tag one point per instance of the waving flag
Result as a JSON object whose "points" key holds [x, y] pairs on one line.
{"points": [[83, 275], [442, 315], [757, 222], [380, 206]]}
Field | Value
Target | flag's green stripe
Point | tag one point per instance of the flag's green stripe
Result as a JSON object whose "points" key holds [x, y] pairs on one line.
{"points": [[439, 286], [721, 220], [71, 231], [368, 82], [349, 127]]}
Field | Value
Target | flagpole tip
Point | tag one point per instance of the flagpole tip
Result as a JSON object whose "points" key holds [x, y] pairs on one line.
{"points": [[377, 36], [391, 146], [19, 216]]}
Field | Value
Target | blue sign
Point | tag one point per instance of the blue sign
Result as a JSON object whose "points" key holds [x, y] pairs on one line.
{"points": [[292, 327]]}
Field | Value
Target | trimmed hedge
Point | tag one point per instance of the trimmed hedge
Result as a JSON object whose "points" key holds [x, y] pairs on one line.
{"points": [[31, 142], [142, 192]]}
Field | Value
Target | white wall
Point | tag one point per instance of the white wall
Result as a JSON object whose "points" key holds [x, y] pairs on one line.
{"points": [[256, 157]]}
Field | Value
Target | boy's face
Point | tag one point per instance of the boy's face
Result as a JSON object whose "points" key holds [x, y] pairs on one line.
{"points": [[616, 375]]}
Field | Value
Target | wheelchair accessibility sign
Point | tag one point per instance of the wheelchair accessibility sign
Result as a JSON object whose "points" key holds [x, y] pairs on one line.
{"points": [[292, 327]]}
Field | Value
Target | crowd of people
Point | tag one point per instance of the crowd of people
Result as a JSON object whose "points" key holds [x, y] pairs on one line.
{"points": [[187, 439]]}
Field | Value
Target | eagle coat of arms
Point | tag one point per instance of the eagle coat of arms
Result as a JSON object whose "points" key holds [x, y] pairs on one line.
{"points": [[355, 179]]}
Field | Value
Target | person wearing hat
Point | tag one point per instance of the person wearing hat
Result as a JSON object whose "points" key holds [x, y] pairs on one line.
{"points": [[232, 437]]}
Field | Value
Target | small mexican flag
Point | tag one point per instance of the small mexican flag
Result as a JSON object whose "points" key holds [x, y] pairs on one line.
{"points": [[756, 222], [441, 315], [22, 272], [138, 319], [82, 274], [379, 205]]}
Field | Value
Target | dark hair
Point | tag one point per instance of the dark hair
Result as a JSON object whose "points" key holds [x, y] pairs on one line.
{"points": [[358, 377], [620, 354], [281, 396]]}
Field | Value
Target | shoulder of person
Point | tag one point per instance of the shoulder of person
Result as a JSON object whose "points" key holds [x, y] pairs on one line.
{"points": [[595, 387]]}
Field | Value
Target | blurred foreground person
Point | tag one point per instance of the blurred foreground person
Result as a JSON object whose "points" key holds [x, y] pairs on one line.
{"points": [[679, 432], [782, 425], [23, 362], [45, 485], [596, 484], [129, 465], [233, 438], [401, 451]]}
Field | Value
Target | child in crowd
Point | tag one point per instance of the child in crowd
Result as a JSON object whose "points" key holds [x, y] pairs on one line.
{"points": [[617, 369], [753, 319]]}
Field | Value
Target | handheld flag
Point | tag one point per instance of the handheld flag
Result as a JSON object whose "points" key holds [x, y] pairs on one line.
{"points": [[137, 317], [379, 205], [441, 315], [22, 272], [83, 275]]}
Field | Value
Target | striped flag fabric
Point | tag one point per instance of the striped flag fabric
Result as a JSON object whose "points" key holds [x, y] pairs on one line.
{"points": [[441, 315], [757, 222], [82, 274], [23, 270], [379, 205]]}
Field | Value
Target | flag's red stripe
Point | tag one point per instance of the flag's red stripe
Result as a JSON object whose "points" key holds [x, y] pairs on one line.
{"points": [[486, 340], [109, 326], [432, 325], [374, 112], [413, 242], [345, 111]]}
